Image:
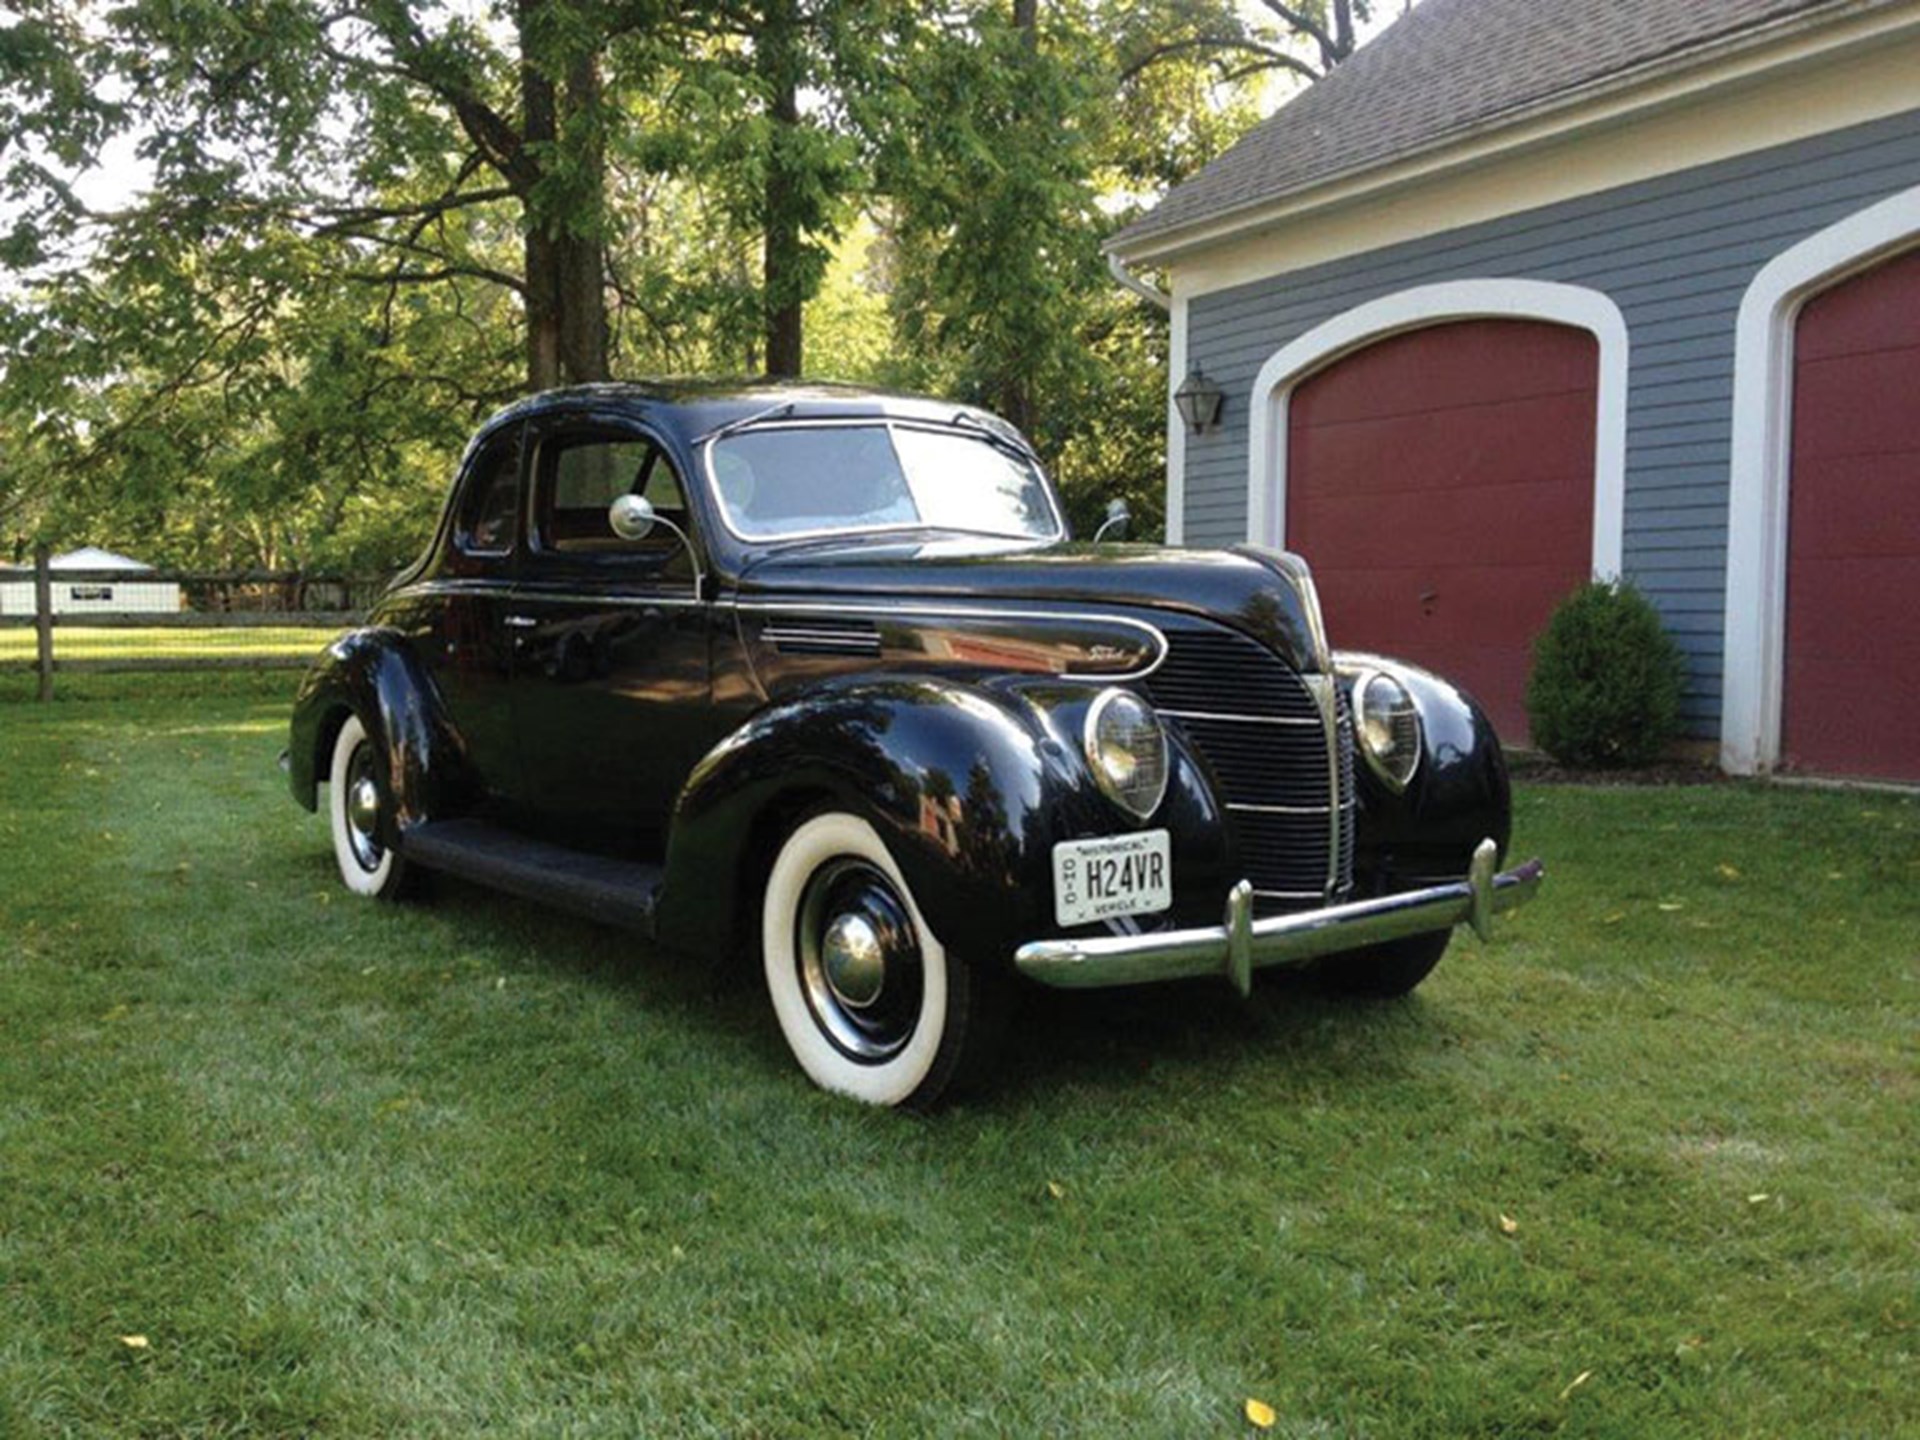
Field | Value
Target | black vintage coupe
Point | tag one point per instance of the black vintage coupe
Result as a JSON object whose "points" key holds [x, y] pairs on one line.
{"points": [[818, 672]]}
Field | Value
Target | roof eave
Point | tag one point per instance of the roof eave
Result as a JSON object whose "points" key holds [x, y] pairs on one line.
{"points": [[1656, 84]]}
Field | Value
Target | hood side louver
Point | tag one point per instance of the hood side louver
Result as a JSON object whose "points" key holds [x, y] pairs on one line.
{"points": [[822, 635]]}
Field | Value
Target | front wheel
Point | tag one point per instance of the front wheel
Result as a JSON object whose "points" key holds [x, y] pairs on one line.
{"points": [[359, 806], [1382, 972], [872, 1005]]}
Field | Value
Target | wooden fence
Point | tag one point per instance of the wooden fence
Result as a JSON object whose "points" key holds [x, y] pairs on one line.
{"points": [[56, 621]]}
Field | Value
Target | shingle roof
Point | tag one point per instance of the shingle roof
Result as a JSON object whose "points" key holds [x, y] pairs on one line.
{"points": [[1448, 67]]}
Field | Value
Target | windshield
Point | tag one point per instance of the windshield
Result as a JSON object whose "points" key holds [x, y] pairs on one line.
{"points": [[781, 482]]}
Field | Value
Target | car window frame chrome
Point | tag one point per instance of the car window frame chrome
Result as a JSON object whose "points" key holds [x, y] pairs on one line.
{"points": [[533, 439]]}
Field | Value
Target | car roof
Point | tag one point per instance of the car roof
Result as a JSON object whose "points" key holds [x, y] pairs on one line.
{"points": [[693, 407]]}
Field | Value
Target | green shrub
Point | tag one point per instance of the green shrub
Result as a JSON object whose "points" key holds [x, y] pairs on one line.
{"points": [[1605, 688]]}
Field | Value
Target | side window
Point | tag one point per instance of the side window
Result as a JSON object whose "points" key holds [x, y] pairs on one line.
{"points": [[580, 476], [491, 499]]}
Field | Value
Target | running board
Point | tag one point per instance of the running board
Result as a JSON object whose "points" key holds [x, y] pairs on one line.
{"points": [[618, 892]]}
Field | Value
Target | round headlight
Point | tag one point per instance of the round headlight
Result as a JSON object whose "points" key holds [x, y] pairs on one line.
{"points": [[1388, 724], [1127, 751]]}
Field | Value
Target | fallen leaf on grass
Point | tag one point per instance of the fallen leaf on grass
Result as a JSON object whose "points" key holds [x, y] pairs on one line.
{"points": [[1671, 905], [1759, 1199], [1260, 1414], [1727, 872], [136, 1342], [1056, 1190], [1509, 1225], [1576, 1383], [1614, 919]]}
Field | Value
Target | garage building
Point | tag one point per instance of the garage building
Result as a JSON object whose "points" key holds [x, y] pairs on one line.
{"points": [[1535, 290]]}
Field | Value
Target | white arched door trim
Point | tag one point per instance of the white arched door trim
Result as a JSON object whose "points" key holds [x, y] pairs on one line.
{"points": [[1762, 464], [1416, 309]]}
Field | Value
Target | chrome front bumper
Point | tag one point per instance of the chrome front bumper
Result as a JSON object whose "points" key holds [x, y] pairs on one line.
{"points": [[1243, 944]]}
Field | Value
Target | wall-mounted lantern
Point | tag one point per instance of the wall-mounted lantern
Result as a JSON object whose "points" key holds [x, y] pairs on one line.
{"points": [[1199, 400]]}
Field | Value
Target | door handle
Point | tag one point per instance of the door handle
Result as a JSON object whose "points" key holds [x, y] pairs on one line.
{"points": [[520, 622]]}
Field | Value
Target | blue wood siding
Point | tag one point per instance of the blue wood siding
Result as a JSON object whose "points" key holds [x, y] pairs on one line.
{"points": [[1676, 254]]}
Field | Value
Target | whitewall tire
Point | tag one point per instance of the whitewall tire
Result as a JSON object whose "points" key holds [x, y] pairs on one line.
{"points": [[872, 1005], [359, 806]]}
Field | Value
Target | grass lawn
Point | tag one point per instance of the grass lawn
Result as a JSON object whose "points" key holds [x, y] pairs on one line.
{"points": [[19, 643], [1645, 1167]]}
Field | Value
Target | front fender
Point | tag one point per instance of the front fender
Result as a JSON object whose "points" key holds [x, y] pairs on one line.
{"points": [[374, 674], [969, 785], [1458, 797]]}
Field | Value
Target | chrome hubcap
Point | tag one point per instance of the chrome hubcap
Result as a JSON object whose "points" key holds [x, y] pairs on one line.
{"points": [[859, 960], [363, 810], [363, 806], [855, 963]]}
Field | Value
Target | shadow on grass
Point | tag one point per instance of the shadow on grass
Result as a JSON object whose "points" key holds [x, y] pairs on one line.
{"points": [[1184, 1031]]}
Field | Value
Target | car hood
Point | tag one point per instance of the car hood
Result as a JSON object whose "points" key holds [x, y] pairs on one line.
{"points": [[1268, 594]]}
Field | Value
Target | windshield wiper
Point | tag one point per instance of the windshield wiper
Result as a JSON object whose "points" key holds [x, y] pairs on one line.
{"points": [[785, 407], [997, 434]]}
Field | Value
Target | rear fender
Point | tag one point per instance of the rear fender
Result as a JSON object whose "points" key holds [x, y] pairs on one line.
{"points": [[374, 674]]}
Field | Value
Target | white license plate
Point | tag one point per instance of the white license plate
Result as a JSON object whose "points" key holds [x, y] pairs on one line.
{"points": [[1114, 875]]}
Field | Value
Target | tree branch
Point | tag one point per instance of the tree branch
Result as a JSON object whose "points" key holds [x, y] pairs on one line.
{"points": [[1307, 25], [415, 62], [1269, 57], [401, 275], [345, 219]]}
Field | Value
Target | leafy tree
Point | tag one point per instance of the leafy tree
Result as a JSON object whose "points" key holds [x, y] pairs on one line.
{"points": [[372, 220], [1010, 151], [767, 131], [1307, 39], [990, 175]]}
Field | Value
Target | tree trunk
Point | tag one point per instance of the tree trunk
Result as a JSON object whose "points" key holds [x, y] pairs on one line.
{"points": [[565, 252], [783, 262], [566, 308], [1015, 398]]}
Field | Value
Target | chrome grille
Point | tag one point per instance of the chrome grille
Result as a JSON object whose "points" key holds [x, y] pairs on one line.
{"points": [[1349, 809], [1205, 669], [1258, 726]]}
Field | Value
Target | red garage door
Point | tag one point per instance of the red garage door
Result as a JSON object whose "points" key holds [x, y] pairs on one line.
{"points": [[1853, 530], [1440, 483]]}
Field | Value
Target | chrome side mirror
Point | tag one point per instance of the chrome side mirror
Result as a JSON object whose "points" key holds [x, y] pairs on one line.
{"points": [[631, 517], [1118, 518]]}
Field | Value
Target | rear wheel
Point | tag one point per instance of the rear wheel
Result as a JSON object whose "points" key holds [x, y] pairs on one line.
{"points": [[872, 1005], [1381, 972], [360, 807]]}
